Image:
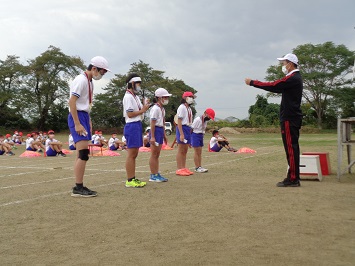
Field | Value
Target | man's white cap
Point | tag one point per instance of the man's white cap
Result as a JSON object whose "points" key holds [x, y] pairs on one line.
{"points": [[100, 62], [290, 57], [161, 92]]}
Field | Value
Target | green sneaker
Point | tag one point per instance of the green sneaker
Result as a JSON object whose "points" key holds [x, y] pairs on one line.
{"points": [[135, 183]]}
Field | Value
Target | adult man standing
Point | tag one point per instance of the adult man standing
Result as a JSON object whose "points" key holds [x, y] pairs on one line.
{"points": [[79, 122], [291, 87]]}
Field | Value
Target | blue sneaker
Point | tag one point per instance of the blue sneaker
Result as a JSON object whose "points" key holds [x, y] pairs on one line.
{"points": [[163, 179], [157, 178]]}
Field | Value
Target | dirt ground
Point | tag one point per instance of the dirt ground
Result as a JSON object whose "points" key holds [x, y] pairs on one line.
{"points": [[232, 215]]}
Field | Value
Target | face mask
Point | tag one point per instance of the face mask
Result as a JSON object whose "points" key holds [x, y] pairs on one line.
{"points": [[284, 69], [189, 100], [137, 88], [164, 102], [98, 77]]}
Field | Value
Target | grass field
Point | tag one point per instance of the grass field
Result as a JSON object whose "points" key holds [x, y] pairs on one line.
{"points": [[232, 215]]}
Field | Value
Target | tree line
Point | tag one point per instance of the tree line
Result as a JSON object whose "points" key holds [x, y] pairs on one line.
{"points": [[35, 95]]}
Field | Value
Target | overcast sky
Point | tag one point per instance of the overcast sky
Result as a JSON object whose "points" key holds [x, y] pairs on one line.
{"points": [[211, 45]]}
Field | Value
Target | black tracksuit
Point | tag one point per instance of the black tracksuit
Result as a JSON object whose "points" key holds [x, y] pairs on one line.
{"points": [[291, 87]]}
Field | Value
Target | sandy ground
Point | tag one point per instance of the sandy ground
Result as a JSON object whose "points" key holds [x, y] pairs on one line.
{"points": [[232, 215]]}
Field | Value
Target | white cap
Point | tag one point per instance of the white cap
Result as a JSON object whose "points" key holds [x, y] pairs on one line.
{"points": [[290, 57], [100, 62], [160, 92]]}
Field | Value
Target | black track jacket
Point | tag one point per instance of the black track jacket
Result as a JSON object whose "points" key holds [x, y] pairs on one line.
{"points": [[291, 87]]}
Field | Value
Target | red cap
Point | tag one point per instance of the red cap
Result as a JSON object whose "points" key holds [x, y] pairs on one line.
{"points": [[8, 135], [96, 132], [188, 94], [211, 113], [29, 135], [20, 133], [50, 132]]}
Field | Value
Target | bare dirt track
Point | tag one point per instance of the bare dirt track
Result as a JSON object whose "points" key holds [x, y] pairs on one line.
{"points": [[232, 215]]}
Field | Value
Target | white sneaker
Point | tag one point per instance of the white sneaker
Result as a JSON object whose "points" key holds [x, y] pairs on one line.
{"points": [[201, 170]]}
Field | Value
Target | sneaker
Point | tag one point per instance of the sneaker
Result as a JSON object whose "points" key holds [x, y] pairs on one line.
{"points": [[288, 183], [39, 150], [84, 192], [135, 183], [201, 170], [187, 170], [157, 178], [182, 172], [62, 154], [10, 153]]}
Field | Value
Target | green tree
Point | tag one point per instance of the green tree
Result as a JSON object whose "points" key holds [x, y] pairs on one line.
{"points": [[47, 83], [107, 109], [11, 73], [324, 68], [263, 113]]}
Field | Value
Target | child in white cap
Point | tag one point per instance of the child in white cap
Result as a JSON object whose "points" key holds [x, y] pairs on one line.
{"points": [[157, 133]]}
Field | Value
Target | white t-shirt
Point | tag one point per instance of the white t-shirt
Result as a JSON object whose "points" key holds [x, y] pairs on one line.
{"points": [[132, 103], [93, 137], [213, 141], [80, 88], [157, 114], [111, 141], [29, 142], [48, 142], [198, 126], [97, 139], [184, 113]]}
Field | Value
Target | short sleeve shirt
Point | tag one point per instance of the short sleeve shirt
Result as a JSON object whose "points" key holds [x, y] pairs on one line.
{"points": [[198, 126], [157, 113], [80, 88], [131, 103], [185, 114]]}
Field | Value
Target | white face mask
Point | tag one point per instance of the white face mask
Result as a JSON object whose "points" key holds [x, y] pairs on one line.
{"points": [[164, 102], [98, 77], [284, 69], [189, 100], [137, 88]]}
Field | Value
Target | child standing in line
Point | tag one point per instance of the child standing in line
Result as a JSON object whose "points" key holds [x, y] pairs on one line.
{"points": [[198, 132], [133, 112], [157, 133], [79, 121], [183, 132]]}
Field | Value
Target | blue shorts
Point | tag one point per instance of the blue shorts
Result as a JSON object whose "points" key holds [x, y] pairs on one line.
{"points": [[159, 135], [113, 148], [196, 140], [2, 152], [30, 149], [216, 148], [187, 134], [133, 134], [71, 147], [51, 152], [84, 119]]}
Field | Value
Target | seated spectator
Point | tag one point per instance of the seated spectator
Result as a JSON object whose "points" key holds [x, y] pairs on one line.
{"points": [[218, 141], [8, 140], [114, 143], [44, 138], [53, 146], [5, 147], [71, 143], [124, 141], [146, 142], [17, 137], [100, 140], [33, 143], [94, 136]]}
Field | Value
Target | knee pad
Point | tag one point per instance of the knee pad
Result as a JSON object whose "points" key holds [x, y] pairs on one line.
{"points": [[84, 154]]}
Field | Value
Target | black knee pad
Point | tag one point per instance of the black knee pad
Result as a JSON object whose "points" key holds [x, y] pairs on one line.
{"points": [[84, 154]]}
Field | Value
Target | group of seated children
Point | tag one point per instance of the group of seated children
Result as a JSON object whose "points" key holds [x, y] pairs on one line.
{"points": [[218, 141], [6, 145], [113, 143]]}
